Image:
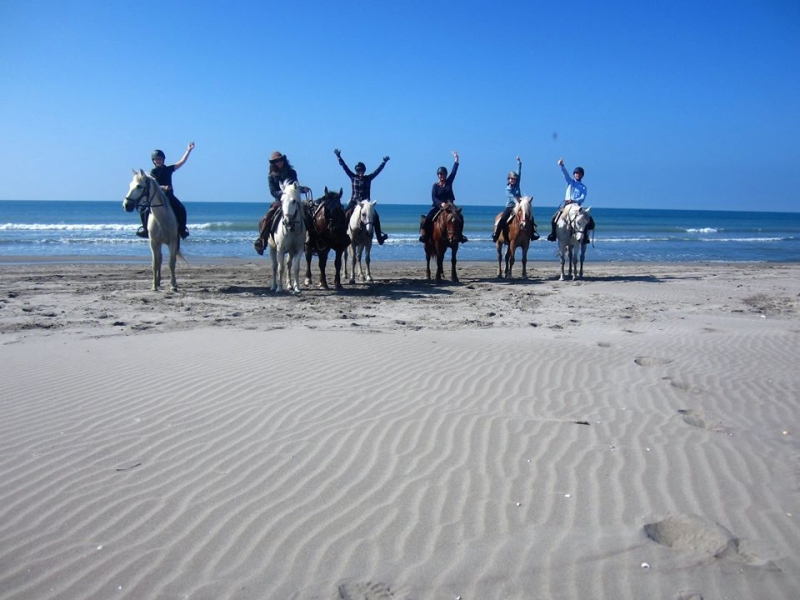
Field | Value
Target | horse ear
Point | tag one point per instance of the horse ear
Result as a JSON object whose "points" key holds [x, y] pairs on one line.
{"points": [[458, 209], [326, 190], [133, 171], [142, 173], [374, 202], [341, 192], [586, 210]]}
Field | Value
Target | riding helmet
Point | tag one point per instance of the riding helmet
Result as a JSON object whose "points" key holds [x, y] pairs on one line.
{"points": [[361, 167], [441, 171], [578, 170], [157, 154]]}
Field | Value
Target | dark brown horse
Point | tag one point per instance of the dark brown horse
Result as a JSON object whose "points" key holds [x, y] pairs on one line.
{"points": [[448, 227], [329, 233], [518, 234]]}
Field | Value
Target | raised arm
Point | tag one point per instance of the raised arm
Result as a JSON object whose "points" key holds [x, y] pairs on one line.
{"points": [[374, 174], [185, 156], [343, 164]]}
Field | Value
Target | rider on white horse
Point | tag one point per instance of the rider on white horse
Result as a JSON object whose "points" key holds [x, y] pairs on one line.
{"points": [[575, 192], [280, 170], [361, 190], [163, 175]]}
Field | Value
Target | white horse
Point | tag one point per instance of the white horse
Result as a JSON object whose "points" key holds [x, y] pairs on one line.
{"points": [[572, 238], [287, 242], [162, 226], [360, 231]]}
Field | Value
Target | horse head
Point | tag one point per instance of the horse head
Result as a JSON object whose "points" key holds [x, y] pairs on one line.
{"points": [[367, 215], [573, 221], [453, 223], [139, 190], [523, 211], [290, 204]]}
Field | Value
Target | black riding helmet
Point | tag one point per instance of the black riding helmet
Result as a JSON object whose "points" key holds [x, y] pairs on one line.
{"points": [[579, 171], [360, 166], [157, 154], [441, 171]]}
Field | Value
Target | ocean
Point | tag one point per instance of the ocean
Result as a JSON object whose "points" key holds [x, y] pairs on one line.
{"points": [[103, 231]]}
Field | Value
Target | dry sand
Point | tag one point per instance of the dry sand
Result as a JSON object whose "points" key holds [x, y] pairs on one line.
{"points": [[632, 435]]}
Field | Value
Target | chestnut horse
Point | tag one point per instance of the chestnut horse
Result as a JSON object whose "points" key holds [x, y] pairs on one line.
{"points": [[448, 227], [520, 232], [329, 232]]}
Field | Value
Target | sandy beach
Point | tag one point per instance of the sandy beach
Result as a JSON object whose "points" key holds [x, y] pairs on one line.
{"points": [[631, 435]]}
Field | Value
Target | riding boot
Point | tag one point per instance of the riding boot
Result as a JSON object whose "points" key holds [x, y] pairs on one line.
{"points": [[381, 237], [552, 236], [265, 227], [535, 234], [142, 231]]}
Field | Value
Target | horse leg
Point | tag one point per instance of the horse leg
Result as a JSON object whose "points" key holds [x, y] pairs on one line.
{"points": [[562, 254], [308, 265], [499, 245], [337, 265], [155, 249], [173, 259], [274, 257], [367, 252], [428, 264], [510, 259], [453, 253], [525, 261], [294, 272], [354, 253], [440, 264], [323, 264], [583, 255]]}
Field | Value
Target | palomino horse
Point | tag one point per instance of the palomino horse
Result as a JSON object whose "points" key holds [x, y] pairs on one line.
{"points": [[360, 231], [162, 226], [572, 238], [287, 240], [448, 227], [330, 232], [520, 233]]}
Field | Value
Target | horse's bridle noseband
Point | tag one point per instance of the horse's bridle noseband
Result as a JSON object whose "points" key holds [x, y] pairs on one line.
{"points": [[144, 198]]}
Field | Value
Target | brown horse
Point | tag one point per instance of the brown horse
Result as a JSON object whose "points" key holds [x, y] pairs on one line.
{"points": [[520, 232], [329, 232], [448, 227]]}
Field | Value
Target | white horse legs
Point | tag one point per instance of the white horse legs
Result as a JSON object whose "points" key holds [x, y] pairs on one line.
{"points": [[158, 259], [356, 261]]}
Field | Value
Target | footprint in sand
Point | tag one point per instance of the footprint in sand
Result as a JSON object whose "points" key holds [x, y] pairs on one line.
{"points": [[698, 535], [365, 591], [696, 418], [649, 361]]}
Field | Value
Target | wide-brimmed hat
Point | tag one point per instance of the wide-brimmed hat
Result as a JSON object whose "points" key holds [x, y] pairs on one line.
{"points": [[276, 156]]}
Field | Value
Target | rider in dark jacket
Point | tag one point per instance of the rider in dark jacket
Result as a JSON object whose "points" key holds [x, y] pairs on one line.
{"points": [[441, 196], [361, 184], [280, 170], [163, 175]]}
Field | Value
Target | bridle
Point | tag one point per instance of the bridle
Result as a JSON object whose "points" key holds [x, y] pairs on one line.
{"points": [[290, 221], [144, 198]]}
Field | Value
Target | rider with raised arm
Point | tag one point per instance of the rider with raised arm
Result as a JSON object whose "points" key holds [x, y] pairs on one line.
{"points": [[361, 184], [575, 192], [513, 194], [163, 175], [442, 196]]}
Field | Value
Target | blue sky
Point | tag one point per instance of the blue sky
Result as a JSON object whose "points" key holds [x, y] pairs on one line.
{"points": [[665, 104]]}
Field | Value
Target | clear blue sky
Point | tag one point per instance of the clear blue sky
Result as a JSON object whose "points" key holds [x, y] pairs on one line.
{"points": [[665, 104]]}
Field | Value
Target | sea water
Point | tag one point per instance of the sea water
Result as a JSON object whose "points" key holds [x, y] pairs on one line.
{"points": [[99, 230]]}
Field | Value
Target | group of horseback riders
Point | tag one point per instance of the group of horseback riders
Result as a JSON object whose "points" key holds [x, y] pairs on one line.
{"points": [[442, 196]]}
